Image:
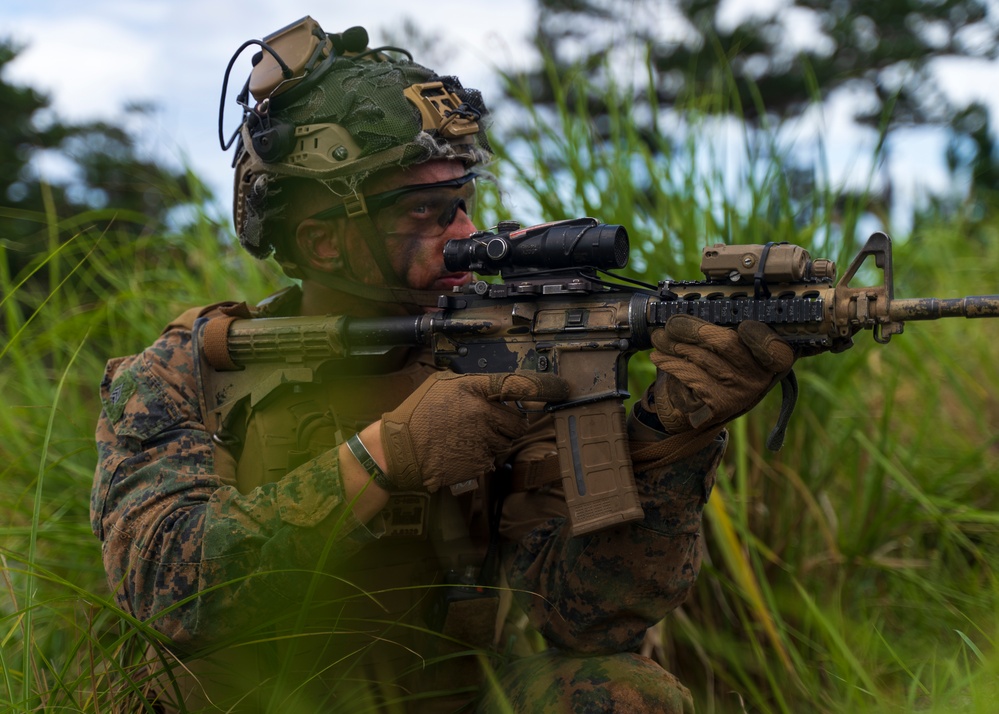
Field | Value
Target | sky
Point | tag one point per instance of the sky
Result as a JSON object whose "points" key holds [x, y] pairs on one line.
{"points": [[93, 58]]}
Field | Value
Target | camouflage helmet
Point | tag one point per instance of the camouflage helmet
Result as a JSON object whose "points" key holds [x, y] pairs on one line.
{"points": [[326, 107]]}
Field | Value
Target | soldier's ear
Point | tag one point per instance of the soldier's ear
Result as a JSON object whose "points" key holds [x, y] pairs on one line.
{"points": [[319, 243]]}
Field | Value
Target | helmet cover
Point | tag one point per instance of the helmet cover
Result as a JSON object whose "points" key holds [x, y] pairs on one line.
{"points": [[352, 114]]}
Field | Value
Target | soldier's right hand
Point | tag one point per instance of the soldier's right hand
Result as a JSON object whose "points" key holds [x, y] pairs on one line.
{"points": [[453, 427]]}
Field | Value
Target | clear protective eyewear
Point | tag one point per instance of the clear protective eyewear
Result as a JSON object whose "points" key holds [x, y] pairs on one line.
{"points": [[425, 209]]}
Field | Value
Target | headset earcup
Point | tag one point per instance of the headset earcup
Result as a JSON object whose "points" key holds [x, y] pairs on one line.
{"points": [[273, 143]]}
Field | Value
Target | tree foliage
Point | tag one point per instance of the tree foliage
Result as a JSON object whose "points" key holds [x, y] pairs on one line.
{"points": [[101, 166], [779, 63], [765, 68]]}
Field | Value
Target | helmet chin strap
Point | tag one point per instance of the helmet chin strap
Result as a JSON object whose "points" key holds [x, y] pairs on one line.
{"points": [[375, 243], [394, 291]]}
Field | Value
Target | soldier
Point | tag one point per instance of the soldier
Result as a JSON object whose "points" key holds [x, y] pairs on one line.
{"points": [[361, 541]]}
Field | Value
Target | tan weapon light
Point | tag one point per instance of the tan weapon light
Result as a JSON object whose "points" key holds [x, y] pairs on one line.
{"points": [[783, 263]]}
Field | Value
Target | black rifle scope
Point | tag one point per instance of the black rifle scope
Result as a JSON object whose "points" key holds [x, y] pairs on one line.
{"points": [[581, 242]]}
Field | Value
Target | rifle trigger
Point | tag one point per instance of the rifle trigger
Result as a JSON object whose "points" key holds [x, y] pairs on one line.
{"points": [[789, 397]]}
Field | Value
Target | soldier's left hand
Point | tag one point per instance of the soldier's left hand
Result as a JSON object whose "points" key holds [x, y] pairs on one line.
{"points": [[707, 375]]}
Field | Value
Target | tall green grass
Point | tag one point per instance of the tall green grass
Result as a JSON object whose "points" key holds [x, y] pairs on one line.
{"points": [[853, 571], [104, 288]]}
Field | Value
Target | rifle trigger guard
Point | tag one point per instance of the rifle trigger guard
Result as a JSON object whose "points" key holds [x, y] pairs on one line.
{"points": [[619, 394], [519, 406]]}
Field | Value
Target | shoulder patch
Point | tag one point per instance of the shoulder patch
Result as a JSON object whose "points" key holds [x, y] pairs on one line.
{"points": [[121, 389]]}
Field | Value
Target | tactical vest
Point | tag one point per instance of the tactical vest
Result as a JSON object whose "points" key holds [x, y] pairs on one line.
{"points": [[383, 602]]}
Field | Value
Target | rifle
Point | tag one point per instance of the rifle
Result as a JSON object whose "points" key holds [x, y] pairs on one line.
{"points": [[553, 312]]}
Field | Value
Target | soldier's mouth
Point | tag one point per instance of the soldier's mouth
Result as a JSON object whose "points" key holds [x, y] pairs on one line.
{"points": [[452, 280]]}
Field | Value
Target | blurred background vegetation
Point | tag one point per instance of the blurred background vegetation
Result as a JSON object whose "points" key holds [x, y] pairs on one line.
{"points": [[853, 571]]}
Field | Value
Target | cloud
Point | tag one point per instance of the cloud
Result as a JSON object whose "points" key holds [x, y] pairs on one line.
{"points": [[93, 58], [89, 66]]}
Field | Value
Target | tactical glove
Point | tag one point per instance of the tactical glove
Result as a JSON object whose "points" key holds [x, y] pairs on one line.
{"points": [[708, 375], [453, 427]]}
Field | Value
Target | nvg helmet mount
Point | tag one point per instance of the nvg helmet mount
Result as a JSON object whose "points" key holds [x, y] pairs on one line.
{"points": [[326, 107], [291, 62]]}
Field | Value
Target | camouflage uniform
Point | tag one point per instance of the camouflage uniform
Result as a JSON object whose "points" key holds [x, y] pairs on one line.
{"points": [[625, 683], [201, 556]]}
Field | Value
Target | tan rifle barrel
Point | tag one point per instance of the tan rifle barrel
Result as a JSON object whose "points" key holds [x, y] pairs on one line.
{"points": [[935, 308]]}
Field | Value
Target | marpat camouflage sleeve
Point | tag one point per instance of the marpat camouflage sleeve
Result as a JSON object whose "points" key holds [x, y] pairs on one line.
{"points": [[183, 548], [599, 593]]}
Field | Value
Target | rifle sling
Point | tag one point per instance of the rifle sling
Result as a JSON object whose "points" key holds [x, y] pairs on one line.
{"points": [[658, 454], [215, 342], [530, 475], [789, 397]]}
